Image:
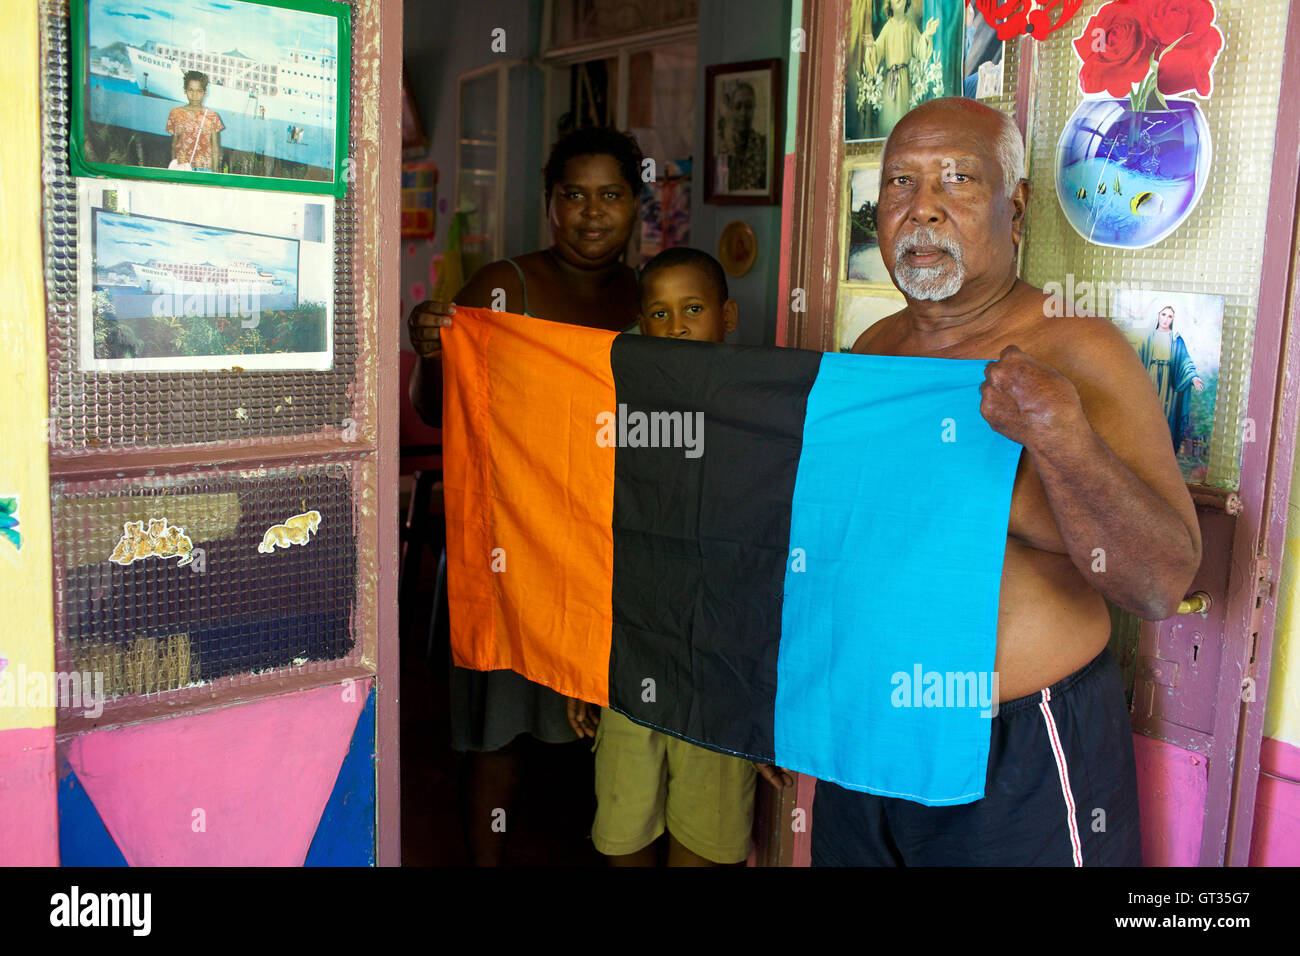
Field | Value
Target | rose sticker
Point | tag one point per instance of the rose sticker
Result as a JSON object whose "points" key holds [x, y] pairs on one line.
{"points": [[1131, 164]]}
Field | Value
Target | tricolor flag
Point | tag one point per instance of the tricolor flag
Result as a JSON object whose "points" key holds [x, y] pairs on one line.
{"points": [[786, 555]]}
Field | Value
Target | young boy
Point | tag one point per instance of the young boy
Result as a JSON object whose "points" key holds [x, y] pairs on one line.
{"points": [[645, 780]]}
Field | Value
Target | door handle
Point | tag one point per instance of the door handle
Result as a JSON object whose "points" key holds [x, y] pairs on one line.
{"points": [[1198, 602]]}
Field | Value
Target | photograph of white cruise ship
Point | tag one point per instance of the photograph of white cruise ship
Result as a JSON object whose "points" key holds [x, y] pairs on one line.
{"points": [[223, 86], [298, 88], [244, 279]]}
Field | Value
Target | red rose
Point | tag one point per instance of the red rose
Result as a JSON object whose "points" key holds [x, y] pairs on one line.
{"points": [[1189, 25], [1167, 20], [1115, 49]]}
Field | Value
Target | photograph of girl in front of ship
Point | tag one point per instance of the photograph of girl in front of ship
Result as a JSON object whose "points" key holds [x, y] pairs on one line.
{"points": [[201, 88], [196, 130]]}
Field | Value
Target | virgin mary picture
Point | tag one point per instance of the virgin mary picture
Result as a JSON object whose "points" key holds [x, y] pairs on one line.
{"points": [[1178, 337]]}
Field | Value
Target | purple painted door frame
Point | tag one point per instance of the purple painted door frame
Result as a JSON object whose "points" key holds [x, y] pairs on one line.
{"points": [[388, 217]]}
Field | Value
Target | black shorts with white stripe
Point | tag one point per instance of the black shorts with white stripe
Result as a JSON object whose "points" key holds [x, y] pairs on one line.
{"points": [[1061, 790]]}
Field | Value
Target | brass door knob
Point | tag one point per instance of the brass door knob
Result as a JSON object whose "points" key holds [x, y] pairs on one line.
{"points": [[1198, 602]]}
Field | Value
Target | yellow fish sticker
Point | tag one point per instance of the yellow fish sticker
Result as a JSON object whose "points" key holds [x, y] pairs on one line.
{"points": [[1147, 204]]}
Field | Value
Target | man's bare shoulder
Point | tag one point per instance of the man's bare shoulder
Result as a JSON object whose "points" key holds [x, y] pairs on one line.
{"points": [[1074, 344], [1095, 356]]}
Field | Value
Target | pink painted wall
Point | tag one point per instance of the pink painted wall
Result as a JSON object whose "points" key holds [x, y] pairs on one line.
{"points": [[239, 786], [29, 833], [1275, 840], [1172, 786]]}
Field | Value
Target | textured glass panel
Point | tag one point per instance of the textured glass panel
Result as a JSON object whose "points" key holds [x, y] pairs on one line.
{"points": [[1218, 249], [167, 582], [110, 411]]}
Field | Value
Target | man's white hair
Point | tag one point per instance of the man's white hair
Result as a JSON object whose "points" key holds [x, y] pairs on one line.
{"points": [[1010, 152], [1008, 147]]}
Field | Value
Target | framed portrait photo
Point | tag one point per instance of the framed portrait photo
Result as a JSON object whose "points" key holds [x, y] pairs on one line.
{"points": [[743, 132], [247, 93]]}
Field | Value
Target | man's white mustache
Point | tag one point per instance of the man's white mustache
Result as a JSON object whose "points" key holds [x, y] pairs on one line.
{"points": [[925, 239]]}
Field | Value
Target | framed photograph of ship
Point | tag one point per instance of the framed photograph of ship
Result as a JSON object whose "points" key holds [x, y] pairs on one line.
{"points": [[220, 92], [176, 278]]}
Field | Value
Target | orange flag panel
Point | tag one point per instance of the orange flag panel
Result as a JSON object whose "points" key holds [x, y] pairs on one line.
{"points": [[526, 404]]}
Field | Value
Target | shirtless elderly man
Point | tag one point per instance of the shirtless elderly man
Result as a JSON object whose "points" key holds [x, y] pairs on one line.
{"points": [[1099, 510]]}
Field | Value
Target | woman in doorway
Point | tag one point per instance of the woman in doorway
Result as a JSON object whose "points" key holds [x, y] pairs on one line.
{"points": [[196, 130], [592, 181]]}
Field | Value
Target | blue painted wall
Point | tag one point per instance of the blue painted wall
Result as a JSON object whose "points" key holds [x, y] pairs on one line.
{"points": [[440, 42], [733, 31], [345, 835]]}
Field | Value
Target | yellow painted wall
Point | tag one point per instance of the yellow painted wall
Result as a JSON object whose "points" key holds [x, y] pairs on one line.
{"points": [[26, 589], [1282, 717]]}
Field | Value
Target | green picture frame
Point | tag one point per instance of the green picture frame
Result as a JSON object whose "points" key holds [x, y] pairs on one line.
{"points": [[255, 83]]}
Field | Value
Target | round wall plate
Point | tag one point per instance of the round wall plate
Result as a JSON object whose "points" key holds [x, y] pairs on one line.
{"points": [[737, 248]]}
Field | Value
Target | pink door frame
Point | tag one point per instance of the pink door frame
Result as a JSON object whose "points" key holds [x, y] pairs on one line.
{"points": [[387, 213]]}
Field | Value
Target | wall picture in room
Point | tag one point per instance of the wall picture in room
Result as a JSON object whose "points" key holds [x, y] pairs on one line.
{"points": [[1178, 336], [743, 124], [177, 278], [863, 262]]}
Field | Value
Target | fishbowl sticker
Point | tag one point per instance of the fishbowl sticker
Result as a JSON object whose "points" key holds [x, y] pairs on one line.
{"points": [[162, 540], [295, 530], [1135, 157]]}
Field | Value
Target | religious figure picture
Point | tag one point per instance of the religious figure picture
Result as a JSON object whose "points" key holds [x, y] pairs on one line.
{"points": [[744, 135], [901, 53], [1178, 336], [237, 93]]}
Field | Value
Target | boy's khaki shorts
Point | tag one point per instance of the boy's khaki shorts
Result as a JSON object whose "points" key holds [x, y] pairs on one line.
{"points": [[645, 779]]}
